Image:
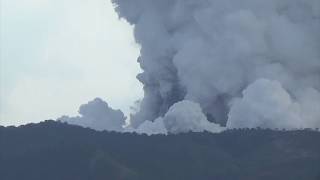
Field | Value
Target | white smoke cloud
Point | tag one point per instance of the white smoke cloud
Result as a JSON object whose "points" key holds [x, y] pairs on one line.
{"points": [[252, 61], [96, 114], [184, 116], [265, 104], [150, 128]]}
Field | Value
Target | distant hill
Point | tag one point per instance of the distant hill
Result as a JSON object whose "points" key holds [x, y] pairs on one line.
{"points": [[57, 151]]}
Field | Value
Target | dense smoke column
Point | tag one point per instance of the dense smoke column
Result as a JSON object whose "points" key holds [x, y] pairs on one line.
{"points": [[157, 101], [225, 55], [161, 84]]}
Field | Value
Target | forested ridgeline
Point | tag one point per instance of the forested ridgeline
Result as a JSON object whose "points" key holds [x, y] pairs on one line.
{"points": [[57, 151]]}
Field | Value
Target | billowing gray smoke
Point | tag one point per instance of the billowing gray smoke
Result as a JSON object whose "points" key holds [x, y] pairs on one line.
{"points": [[96, 114], [213, 63], [248, 63]]}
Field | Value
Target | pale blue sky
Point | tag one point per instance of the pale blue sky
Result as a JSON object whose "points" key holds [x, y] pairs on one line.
{"points": [[58, 54]]}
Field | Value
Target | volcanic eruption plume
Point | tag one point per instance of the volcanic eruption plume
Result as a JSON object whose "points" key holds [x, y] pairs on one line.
{"points": [[248, 63]]}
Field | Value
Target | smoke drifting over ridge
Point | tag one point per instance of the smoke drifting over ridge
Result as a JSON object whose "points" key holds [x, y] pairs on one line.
{"points": [[213, 63], [97, 114]]}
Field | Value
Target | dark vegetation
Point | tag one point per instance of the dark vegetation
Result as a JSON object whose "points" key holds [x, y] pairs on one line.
{"points": [[57, 151]]}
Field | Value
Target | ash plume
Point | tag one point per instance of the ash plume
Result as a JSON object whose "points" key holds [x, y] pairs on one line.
{"points": [[209, 65], [246, 63]]}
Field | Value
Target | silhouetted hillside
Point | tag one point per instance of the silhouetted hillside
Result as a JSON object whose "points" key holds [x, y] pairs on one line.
{"points": [[57, 151]]}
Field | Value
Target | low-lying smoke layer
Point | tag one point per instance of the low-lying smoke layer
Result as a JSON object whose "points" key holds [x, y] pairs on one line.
{"points": [[247, 63]]}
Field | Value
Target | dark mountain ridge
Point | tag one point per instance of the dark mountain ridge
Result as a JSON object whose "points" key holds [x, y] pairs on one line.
{"points": [[57, 151]]}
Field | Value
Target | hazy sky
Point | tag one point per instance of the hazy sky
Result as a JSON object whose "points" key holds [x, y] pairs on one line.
{"points": [[57, 55]]}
